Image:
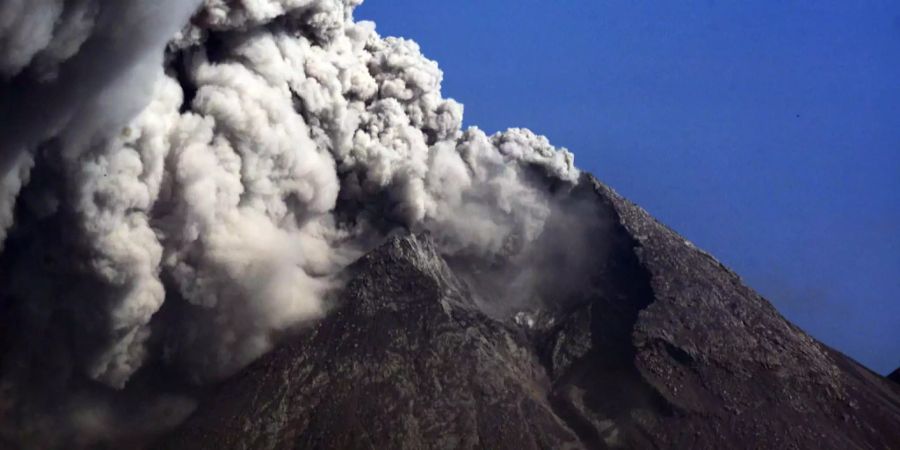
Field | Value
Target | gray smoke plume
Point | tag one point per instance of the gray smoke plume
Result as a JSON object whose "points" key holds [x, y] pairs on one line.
{"points": [[177, 193]]}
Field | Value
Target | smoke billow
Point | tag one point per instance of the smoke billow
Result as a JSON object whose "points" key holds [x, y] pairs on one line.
{"points": [[181, 182]]}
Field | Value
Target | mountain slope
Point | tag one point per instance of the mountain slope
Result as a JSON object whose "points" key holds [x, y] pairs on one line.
{"points": [[667, 349], [407, 362], [895, 375]]}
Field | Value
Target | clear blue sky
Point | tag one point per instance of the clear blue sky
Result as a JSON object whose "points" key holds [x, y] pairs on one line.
{"points": [[766, 132]]}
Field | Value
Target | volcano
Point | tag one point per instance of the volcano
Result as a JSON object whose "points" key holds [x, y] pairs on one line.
{"points": [[667, 348], [260, 224]]}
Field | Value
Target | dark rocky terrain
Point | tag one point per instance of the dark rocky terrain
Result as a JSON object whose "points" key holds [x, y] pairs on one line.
{"points": [[894, 376], [667, 350]]}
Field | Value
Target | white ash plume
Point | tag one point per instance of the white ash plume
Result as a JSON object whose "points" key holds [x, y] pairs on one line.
{"points": [[10, 184], [75, 70], [192, 208]]}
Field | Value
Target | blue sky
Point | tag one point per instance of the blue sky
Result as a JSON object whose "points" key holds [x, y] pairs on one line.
{"points": [[766, 132]]}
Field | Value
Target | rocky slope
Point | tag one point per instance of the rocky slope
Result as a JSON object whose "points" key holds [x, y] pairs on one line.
{"points": [[669, 350], [894, 376]]}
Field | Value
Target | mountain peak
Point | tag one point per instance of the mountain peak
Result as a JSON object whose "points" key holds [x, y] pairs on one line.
{"points": [[666, 348], [405, 361]]}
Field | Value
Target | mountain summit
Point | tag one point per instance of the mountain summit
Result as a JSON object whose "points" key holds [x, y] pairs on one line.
{"points": [[668, 350], [260, 224]]}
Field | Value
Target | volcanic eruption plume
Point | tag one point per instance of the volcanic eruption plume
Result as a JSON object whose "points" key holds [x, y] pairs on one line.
{"points": [[181, 183]]}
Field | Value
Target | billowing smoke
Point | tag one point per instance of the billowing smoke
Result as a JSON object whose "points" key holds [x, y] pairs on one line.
{"points": [[181, 182]]}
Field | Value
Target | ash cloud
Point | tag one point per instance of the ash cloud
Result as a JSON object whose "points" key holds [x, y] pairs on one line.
{"points": [[181, 182], [73, 70]]}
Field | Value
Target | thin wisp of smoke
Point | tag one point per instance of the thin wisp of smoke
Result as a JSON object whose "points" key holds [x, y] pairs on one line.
{"points": [[182, 181]]}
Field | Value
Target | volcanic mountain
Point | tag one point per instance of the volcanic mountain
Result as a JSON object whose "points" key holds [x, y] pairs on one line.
{"points": [[666, 348], [260, 224]]}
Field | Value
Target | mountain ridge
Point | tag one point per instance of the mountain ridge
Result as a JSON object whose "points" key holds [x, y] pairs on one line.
{"points": [[674, 351]]}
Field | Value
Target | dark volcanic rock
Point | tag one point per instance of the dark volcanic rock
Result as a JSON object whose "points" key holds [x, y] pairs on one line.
{"points": [[670, 350], [406, 362], [895, 375]]}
